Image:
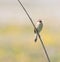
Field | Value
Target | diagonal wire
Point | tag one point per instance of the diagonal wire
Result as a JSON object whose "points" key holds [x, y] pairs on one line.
{"points": [[36, 31]]}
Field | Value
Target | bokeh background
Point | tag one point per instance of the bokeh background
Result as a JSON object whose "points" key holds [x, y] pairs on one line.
{"points": [[17, 33]]}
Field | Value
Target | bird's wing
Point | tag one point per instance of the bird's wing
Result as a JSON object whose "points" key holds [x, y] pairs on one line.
{"points": [[37, 25]]}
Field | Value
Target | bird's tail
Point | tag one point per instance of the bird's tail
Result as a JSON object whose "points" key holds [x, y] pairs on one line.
{"points": [[35, 39]]}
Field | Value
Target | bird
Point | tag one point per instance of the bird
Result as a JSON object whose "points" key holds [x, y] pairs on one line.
{"points": [[39, 26]]}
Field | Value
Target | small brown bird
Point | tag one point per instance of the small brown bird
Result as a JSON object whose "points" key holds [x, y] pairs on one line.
{"points": [[39, 26]]}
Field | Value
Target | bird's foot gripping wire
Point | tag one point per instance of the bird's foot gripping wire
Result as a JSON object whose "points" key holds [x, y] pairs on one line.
{"points": [[35, 40]]}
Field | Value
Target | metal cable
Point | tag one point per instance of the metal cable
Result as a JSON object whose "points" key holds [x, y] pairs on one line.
{"points": [[36, 31]]}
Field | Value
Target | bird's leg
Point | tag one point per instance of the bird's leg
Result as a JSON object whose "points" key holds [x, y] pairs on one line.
{"points": [[35, 37]]}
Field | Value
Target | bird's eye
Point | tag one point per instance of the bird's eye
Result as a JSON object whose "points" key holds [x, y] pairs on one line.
{"points": [[40, 21]]}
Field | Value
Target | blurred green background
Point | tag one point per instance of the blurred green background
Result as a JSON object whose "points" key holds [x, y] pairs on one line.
{"points": [[17, 33]]}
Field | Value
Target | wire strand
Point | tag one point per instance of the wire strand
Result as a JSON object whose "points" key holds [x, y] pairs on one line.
{"points": [[36, 31]]}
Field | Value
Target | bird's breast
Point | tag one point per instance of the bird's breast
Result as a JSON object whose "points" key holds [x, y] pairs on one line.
{"points": [[39, 28]]}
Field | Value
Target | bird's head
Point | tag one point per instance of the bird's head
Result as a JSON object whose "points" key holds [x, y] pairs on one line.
{"points": [[40, 21]]}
